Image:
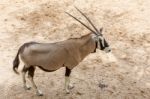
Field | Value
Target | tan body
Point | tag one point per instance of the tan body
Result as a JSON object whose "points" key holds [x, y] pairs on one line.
{"points": [[52, 56]]}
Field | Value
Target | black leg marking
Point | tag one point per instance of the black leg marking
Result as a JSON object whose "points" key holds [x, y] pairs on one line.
{"points": [[31, 71], [24, 69], [68, 71]]}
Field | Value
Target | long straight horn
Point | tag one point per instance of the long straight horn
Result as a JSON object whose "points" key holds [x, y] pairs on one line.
{"points": [[87, 19], [81, 23]]}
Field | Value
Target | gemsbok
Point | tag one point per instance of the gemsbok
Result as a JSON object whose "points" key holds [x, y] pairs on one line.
{"points": [[52, 56]]}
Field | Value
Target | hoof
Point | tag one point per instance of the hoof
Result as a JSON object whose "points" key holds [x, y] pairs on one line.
{"points": [[39, 93], [27, 87], [70, 86], [67, 91]]}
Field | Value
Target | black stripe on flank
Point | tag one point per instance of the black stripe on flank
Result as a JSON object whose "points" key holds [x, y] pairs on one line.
{"points": [[46, 69]]}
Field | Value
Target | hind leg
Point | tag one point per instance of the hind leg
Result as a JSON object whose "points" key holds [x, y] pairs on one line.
{"points": [[24, 70], [31, 71]]}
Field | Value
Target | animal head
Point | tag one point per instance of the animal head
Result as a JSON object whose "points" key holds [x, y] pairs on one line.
{"points": [[101, 43]]}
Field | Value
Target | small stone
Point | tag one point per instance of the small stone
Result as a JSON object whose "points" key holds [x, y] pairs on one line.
{"points": [[102, 85]]}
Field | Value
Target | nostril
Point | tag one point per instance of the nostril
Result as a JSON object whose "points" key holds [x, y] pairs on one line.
{"points": [[109, 50]]}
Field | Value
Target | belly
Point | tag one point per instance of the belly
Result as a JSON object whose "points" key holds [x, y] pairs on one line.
{"points": [[48, 69]]}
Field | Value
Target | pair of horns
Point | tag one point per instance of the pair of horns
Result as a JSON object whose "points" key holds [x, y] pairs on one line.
{"points": [[96, 30]]}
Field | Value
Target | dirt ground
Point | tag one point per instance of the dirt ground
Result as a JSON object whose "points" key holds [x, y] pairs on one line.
{"points": [[125, 72]]}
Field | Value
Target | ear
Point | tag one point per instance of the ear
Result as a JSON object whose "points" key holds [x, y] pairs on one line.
{"points": [[101, 30]]}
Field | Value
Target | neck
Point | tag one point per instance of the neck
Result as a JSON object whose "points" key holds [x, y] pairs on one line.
{"points": [[88, 45]]}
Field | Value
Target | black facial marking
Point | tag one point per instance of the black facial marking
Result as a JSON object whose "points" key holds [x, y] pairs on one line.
{"points": [[105, 44], [101, 45]]}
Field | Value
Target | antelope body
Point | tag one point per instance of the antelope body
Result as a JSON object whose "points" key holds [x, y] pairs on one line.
{"points": [[52, 56]]}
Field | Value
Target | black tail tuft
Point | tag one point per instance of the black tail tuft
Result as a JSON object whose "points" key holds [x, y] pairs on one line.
{"points": [[16, 63]]}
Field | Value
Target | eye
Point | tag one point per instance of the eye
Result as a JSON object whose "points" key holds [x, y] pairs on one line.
{"points": [[100, 39]]}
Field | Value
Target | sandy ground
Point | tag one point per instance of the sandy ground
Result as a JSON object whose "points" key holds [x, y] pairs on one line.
{"points": [[126, 27]]}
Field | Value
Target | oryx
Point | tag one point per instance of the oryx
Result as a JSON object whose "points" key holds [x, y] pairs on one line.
{"points": [[52, 56]]}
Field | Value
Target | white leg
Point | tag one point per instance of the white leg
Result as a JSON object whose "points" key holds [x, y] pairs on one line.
{"points": [[26, 87], [68, 85], [67, 81], [38, 92]]}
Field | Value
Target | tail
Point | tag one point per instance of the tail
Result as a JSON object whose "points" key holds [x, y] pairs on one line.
{"points": [[16, 62]]}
